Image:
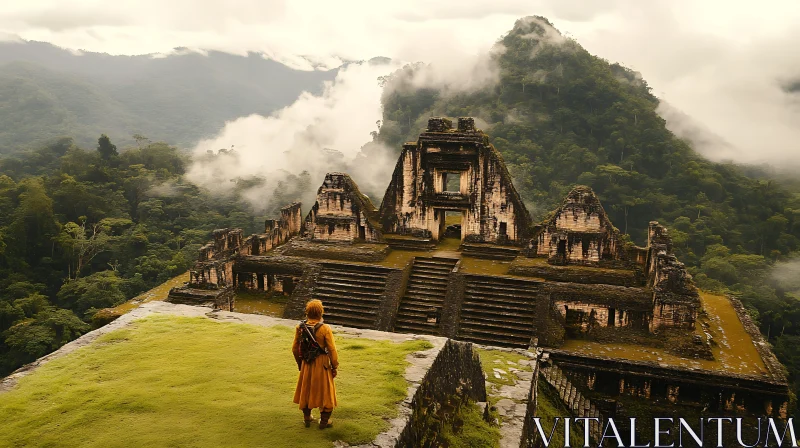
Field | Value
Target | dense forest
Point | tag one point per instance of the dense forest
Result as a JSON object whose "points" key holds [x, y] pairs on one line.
{"points": [[561, 116], [82, 228], [87, 229]]}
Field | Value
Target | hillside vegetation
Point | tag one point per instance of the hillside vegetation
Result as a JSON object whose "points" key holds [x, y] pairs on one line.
{"points": [[50, 92], [561, 116]]}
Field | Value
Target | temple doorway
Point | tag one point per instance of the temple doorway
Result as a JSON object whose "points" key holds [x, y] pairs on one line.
{"points": [[452, 224]]}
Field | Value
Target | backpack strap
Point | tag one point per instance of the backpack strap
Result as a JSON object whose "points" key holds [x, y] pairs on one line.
{"points": [[310, 334]]}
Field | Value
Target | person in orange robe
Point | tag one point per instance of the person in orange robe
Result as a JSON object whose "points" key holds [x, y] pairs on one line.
{"points": [[315, 386]]}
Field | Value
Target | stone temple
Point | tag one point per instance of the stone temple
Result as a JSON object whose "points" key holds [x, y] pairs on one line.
{"points": [[452, 251]]}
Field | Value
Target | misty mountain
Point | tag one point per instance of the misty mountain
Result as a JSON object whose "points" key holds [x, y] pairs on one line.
{"points": [[49, 92]]}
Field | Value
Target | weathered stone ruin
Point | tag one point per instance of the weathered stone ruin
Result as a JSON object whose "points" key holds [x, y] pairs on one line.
{"points": [[213, 278], [342, 213], [459, 171], [489, 275], [579, 232]]}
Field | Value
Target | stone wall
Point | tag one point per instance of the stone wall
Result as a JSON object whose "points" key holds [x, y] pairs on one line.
{"points": [[342, 213], [454, 299], [455, 379], [716, 391], [676, 301], [530, 436], [276, 231], [774, 367], [214, 267], [576, 403], [396, 282]]}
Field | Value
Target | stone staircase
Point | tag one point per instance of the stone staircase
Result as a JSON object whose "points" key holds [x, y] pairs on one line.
{"points": [[351, 293], [573, 400], [498, 311], [490, 251], [425, 294], [404, 242]]}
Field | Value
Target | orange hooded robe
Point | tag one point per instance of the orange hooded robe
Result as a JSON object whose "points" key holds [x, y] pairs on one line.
{"points": [[315, 386]]}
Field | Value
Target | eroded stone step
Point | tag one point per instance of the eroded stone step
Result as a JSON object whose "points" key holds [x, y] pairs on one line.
{"points": [[499, 292], [494, 333], [369, 295], [349, 321], [350, 279], [497, 308], [503, 333], [517, 302], [415, 314], [433, 292], [354, 301], [427, 286], [350, 286], [421, 301], [346, 311], [503, 323], [355, 274], [429, 277], [435, 268], [495, 287], [494, 341]]}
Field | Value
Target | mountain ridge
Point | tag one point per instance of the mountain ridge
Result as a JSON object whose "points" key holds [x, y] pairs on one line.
{"points": [[126, 95]]}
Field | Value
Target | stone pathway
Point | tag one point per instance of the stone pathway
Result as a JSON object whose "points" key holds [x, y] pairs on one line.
{"points": [[512, 400]]}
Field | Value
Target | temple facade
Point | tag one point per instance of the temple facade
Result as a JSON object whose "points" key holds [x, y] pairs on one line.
{"points": [[454, 171]]}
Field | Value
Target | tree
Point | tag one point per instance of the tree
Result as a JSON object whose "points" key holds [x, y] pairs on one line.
{"points": [[99, 290], [83, 244], [106, 149], [33, 221], [140, 139], [49, 330]]}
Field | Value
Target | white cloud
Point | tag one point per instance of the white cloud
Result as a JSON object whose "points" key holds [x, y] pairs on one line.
{"points": [[316, 134], [787, 274], [721, 63]]}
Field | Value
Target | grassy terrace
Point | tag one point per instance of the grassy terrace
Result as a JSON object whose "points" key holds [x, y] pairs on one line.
{"points": [[734, 351], [480, 266], [541, 262], [179, 381]]}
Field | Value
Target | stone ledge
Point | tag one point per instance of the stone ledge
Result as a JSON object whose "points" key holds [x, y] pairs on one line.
{"points": [[774, 366]]}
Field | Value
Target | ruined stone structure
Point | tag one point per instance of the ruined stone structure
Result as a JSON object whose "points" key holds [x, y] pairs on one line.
{"points": [[454, 171], [579, 232], [342, 213], [494, 278], [213, 278]]}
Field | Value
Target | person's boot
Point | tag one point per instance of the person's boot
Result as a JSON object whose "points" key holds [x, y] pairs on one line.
{"points": [[325, 420], [307, 417]]}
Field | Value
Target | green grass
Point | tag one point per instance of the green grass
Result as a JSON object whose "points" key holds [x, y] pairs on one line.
{"points": [[488, 358], [548, 407], [176, 381], [470, 430]]}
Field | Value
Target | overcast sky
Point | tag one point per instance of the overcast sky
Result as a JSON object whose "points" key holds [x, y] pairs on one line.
{"points": [[722, 63]]}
